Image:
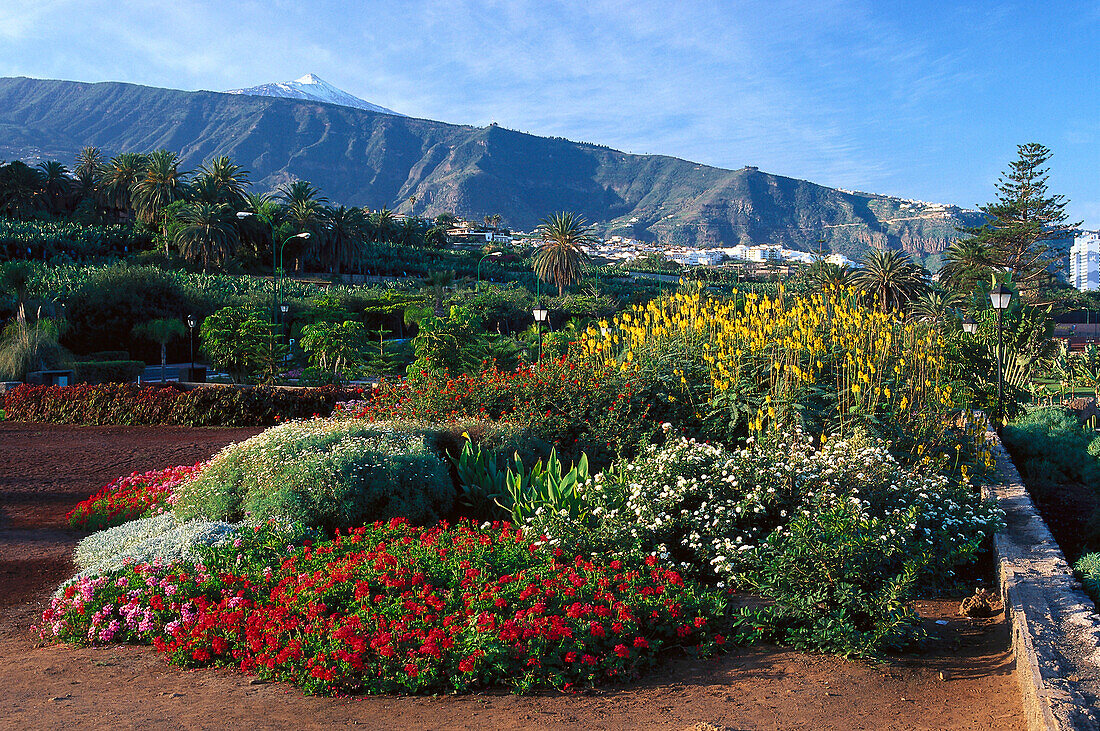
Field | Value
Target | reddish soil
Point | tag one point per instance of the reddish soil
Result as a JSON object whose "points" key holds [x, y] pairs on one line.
{"points": [[963, 677]]}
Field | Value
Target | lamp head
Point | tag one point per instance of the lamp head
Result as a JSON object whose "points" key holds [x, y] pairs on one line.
{"points": [[540, 313], [191, 321], [303, 235], [969, 326], [284, 308], [245, 214], [1000, 296]]}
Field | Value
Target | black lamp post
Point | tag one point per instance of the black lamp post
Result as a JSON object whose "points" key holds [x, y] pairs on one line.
{"points": [[1000, 296], [283, 309], [191, 322], [541, 314]]}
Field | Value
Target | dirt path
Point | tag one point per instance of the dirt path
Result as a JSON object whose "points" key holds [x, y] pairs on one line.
{"points": [[45, 471]]}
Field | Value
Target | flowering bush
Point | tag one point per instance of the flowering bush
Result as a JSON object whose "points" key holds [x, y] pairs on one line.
{"points": [[129, 404], [839, 536], [323, 472], [576, 406], [394, 608], [142, 493], [753, 364]]}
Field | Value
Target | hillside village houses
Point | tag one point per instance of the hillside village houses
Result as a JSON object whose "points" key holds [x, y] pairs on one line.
{"points": [[621, 249]]}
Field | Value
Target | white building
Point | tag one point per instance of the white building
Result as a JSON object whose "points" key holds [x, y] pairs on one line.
{"points": [[1084, 261]]}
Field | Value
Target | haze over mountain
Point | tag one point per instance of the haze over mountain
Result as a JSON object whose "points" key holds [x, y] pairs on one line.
{"points": [[374, 159], [312, 87]]}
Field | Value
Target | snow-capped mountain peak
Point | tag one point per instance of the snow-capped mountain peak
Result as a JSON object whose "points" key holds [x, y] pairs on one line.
{"points": [[312, 87]]}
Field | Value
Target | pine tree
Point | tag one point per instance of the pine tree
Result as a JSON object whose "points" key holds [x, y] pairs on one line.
{"points": [[1027, 230]]}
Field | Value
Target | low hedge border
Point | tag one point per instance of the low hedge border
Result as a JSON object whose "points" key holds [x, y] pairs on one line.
{"points": [[126, 404]]}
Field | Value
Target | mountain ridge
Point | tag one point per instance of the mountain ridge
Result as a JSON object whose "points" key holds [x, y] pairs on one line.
{"points": [[411, 165]]}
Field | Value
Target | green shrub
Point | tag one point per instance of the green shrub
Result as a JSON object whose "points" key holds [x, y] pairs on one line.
{"points": [[1050, 445], [108, 371], [1088, 570], [325, 473]]}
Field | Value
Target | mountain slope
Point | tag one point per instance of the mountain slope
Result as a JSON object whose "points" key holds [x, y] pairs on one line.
{"points": [[315, 89], [360, 157]]}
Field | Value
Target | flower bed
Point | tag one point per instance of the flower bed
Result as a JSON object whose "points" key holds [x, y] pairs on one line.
{"points": [[391, 608], [129, 404], [127, 498], [574, 404]]}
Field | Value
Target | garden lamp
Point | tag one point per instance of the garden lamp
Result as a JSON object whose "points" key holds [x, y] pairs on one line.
{"points": [[191, 322], [245, 214], [541, 315], [969, 325], [1000, 296]]}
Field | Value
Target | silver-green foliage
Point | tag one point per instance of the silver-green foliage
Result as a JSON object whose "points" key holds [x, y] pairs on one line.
{"points": [[324, 473], [145, 540]]}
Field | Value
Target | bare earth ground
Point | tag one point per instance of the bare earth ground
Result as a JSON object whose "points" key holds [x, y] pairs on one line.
{"points": [[963, 678]]}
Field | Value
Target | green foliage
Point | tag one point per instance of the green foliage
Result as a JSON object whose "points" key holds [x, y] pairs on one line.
{"points": [[488, 490], [1049, 446], [243, 343], [330, 474], [1087, 569], [106, 303], [338, 348]]}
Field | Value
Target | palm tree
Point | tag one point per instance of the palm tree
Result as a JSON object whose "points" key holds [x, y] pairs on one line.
{"points": [[410, 232], [560, 258], [21, 189], [343, 239], [439, 281], [303, 208], [119, 177], [384, 224], [826, 275], [89, 171], [968, 262], [57, 184], [226, 180], [935, 306], [208, 234], [890, 277], [160, 331], [255, 230], [162, 184]]}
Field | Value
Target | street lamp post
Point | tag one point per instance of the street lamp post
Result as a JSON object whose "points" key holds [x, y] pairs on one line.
{"points": [[491, 253], [191, 322], [541, 314], [1000, 296], [276, 266]]}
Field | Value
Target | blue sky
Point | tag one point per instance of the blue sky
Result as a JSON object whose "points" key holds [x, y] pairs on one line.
{"points": [[919, 99]]}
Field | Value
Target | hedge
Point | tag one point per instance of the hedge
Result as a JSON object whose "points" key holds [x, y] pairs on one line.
{"points": [[108, 371], [129, 404]]}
